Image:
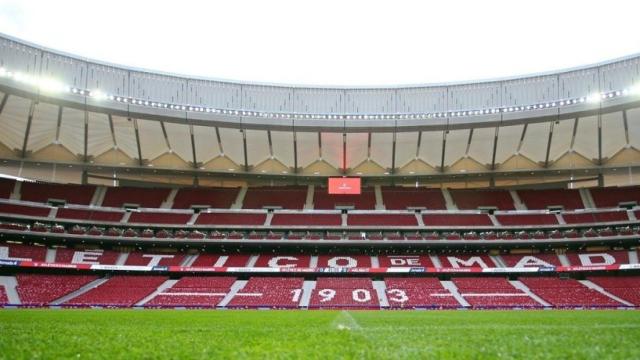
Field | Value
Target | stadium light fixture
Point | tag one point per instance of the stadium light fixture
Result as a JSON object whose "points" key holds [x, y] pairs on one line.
{"points": [[98, 95], [51, 85], [593, 98]]}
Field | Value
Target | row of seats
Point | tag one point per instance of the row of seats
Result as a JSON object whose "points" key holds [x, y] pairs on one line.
{"points": [[18, 251], [325, 292], [295, 197], [276, 234], [317, 219]]}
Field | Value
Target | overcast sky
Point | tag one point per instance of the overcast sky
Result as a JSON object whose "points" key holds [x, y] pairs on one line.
{"points": [[333, 42]]}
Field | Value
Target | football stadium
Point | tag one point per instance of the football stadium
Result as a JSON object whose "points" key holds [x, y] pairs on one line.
{"points": [[146, 214]]}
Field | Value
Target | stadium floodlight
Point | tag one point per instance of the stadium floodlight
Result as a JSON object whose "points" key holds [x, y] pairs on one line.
{"points": [[51, 85], [98, 95], [594, 98]]}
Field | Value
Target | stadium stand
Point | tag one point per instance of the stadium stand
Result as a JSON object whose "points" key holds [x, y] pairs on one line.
{"points": [[456, 220], [40, 290], [147, 259], [22, 251], [271, 292], [595, 217], [404, 260], [566, 292], [231, 219], [614, 196], [401, 198], [322, 200], [492, 292], [568, 199], [232, 260], [88, 256], [528, 260], [213, 197], [625, 287], [192, 291], [283, 260], [6, 187], [425, 292], [598, 258], [292, 219], [344, 293], [42, 192], [82, 214], [526, 219], [142, 197], [382, 220], [285, 197], [15, 209], [120, 290], [159, 217], [474, 199], [462, 261]]}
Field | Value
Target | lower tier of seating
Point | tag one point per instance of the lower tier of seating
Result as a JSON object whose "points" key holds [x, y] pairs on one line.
{"points": [[320, 292]]}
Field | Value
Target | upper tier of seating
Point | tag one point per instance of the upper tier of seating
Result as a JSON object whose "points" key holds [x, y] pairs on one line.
{"points": [[143, 197], [295, 197], [285, 197], [542, 199], [6, 187], [214, 197], [400, 198], [474, 199], [72, 194], [324, 201], [613, 196]]}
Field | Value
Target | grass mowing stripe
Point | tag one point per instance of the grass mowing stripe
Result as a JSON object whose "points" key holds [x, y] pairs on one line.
{"points": [[193, 334]]}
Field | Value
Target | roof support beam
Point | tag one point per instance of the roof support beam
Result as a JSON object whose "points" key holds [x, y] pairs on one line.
{"points": [[573, 135], [549, 138], [32, 107], [220, 148], [524, 133], [193, 146], [418, 144], [626, 126], [166, 137], [244, 147], [495, 148], [270, 144], [113, 132], [86, 136], [444, 148], [393, 154], [137, 132], [59, 124], [295, 153], [599, 139], [344, 153], [466, 152], [3, 102]]}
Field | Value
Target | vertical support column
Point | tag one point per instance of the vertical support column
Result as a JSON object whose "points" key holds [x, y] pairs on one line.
{"points": [[308, 204], [240, 198], [379, 199], [448, 200]]}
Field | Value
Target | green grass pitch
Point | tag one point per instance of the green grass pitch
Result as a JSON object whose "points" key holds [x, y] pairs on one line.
{"points": [[194, 334]]}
